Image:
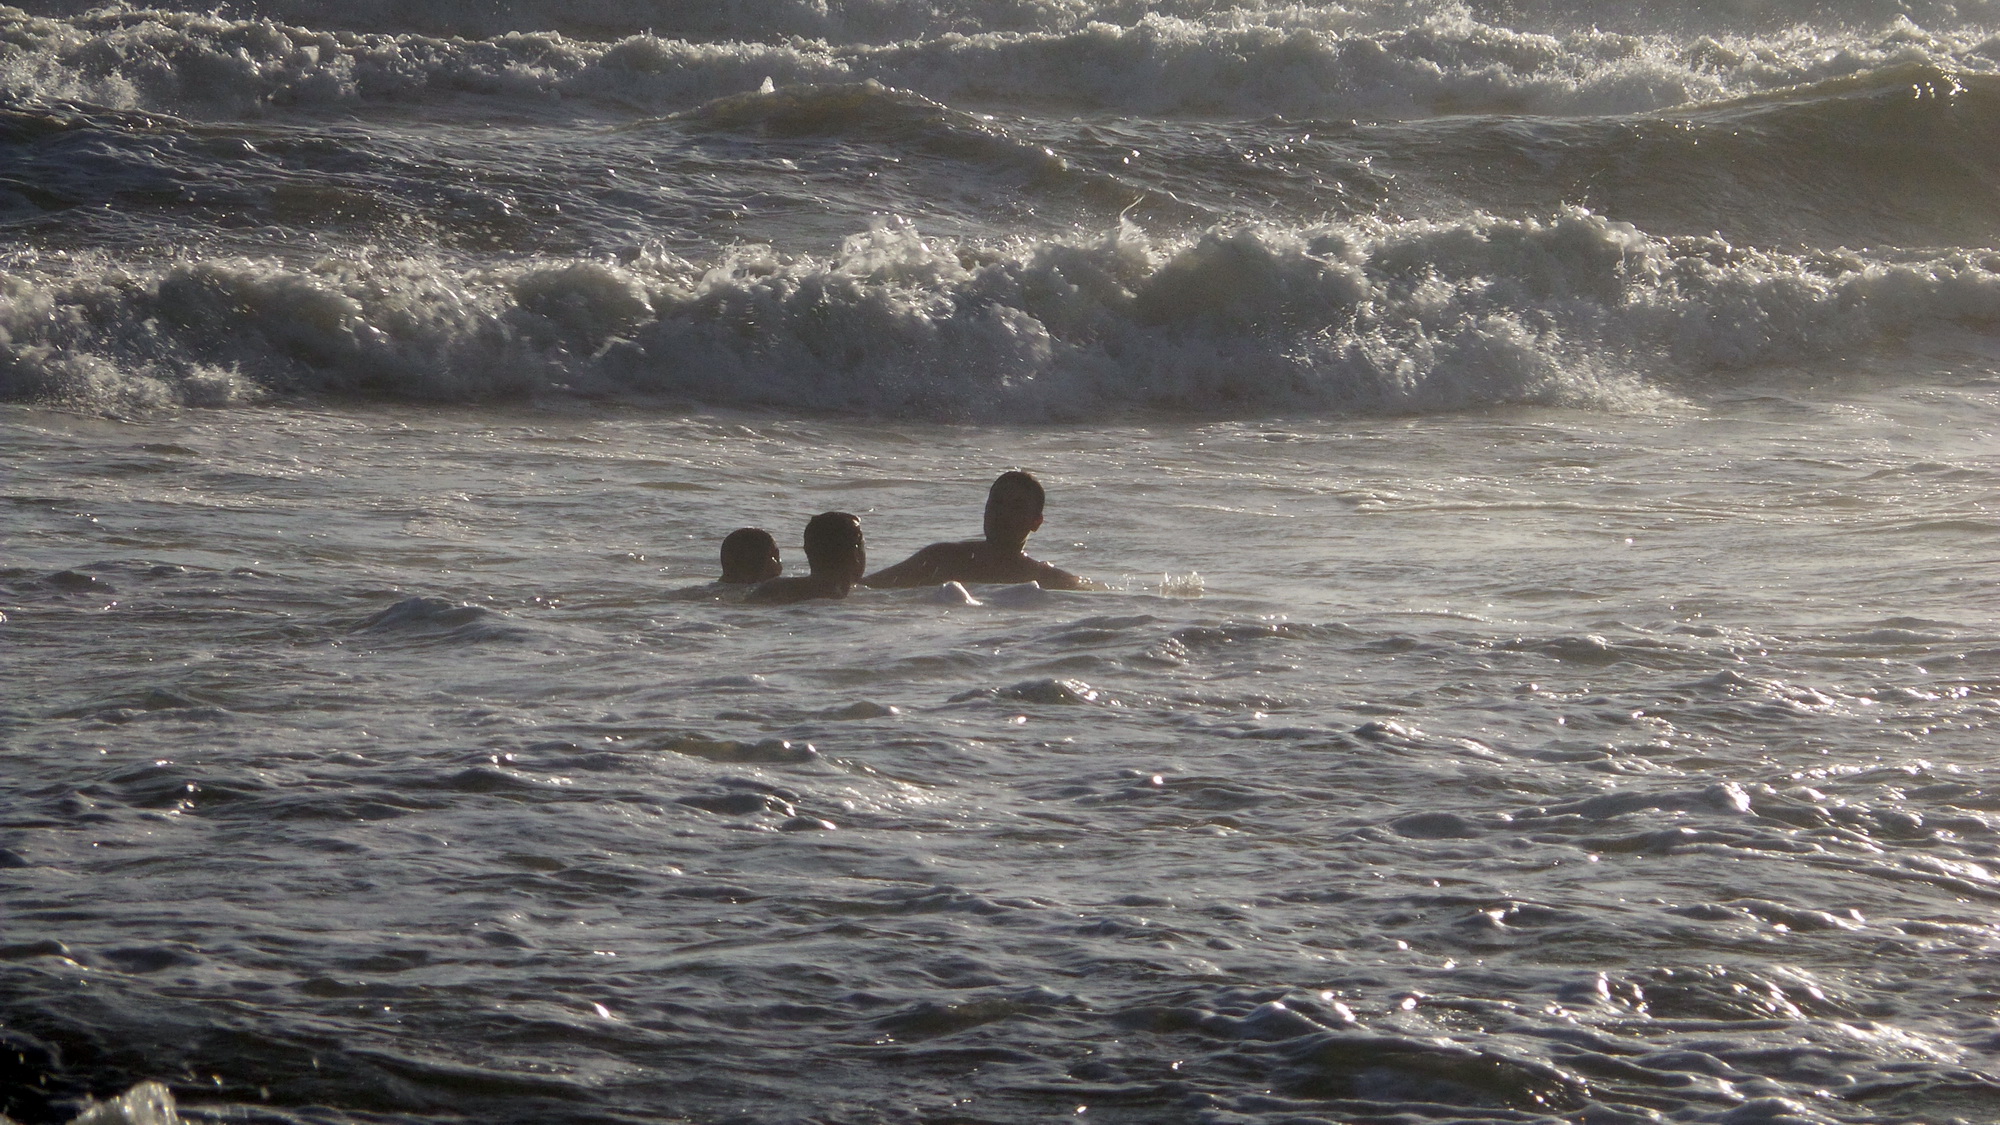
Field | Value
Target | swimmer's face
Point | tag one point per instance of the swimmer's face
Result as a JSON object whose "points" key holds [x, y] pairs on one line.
{"points": [[750, 555], [835, 547], [1012, 513]]}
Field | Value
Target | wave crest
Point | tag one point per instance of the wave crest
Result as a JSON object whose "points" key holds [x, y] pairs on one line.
{"points": [[1393, 63], [1572, 310]]}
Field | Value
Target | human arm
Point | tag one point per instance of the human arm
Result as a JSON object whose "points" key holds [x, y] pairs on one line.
{"points": [[1052, 577], [929, 567]]}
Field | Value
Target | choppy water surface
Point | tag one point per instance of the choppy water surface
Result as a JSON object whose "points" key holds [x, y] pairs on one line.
{"points": [[1509, 769], [1543, 458]]}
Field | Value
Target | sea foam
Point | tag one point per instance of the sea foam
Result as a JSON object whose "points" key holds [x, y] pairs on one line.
{"points": [[1571, 310], [1379, 64], [861, 22]]}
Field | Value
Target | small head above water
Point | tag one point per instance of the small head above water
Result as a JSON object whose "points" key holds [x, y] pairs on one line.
{"points": [[749, 554], [1014, 509], [834, 547]]}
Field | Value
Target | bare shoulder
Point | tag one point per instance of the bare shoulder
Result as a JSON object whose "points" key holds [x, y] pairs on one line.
{"points": [[939, 562]]}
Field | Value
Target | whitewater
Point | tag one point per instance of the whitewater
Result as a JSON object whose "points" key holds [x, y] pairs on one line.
{"points": [[1540, 462]]}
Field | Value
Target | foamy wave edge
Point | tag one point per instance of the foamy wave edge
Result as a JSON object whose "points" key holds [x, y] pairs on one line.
{"points": [[1313, 63], [148, 1103], [1571, 310]]}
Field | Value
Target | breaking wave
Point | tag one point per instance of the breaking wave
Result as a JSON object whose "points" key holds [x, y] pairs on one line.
{"points": [[1395, 62], [1398, 317]]}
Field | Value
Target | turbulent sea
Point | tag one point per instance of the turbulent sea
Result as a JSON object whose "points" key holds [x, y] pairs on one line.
{"points": [[1543, 458]]}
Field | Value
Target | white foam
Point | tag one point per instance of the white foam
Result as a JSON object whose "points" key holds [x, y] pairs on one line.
{"points": [[1026, 595], [148, 1103], [952, 593], [1382, 62], [1571, 310]]}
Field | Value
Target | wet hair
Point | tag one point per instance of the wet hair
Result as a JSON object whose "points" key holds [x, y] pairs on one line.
{"points": [[834, 544], [1008, 520], [1015, 479], [749, 554]]}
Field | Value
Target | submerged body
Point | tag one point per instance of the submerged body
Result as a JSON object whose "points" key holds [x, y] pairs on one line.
{"points": [[838, 557], [1014, 509], [974, 560]]}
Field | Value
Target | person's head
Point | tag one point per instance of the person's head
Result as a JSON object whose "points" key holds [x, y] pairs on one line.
{"points": [[834, 548], [1013, 508], [749, 554]]}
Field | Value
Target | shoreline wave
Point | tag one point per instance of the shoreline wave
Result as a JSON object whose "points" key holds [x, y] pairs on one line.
{"points": [[1398, 64], [1572, 310]]}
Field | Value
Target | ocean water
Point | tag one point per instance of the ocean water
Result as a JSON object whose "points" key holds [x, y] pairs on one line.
{"points": [[1542, 458]]}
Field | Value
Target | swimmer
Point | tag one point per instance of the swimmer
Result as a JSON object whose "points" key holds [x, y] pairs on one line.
{"points": [[749, 555], [1013, 512], [837, 556]]}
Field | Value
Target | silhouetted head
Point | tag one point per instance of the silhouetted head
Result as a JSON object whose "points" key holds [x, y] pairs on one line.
{"points": [[1013, 509], [834, 547], [749, 554]]}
